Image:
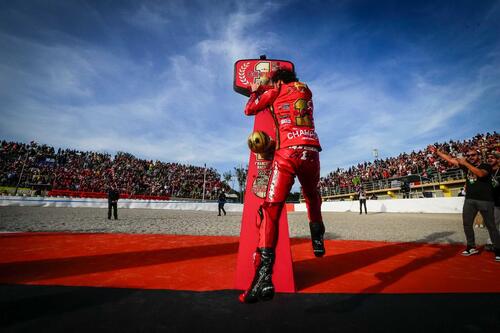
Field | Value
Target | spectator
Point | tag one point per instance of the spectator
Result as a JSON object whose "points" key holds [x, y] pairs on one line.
{"points": [[67, 169], [478, 198], [493, 159], [462, 192], [405, 188], [420, 162]]}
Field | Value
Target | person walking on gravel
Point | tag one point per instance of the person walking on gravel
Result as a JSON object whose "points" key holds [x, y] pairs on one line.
{"points": [[221, 201]]}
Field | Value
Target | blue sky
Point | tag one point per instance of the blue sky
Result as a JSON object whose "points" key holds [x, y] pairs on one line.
{"points": [[154, 78]]}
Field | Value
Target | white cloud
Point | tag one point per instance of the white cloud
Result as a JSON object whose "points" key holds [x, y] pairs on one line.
{"points": [[354, 115], [149, 17], [182, 108], [188, 112]]}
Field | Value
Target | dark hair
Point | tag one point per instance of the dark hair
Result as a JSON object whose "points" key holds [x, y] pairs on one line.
{"points": [[284, 75]]}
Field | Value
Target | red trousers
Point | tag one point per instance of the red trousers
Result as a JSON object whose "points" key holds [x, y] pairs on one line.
{"points": [[302, 162]]}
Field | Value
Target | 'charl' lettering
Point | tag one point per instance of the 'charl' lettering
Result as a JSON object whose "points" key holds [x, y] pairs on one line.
{"points": [[299, 133]]}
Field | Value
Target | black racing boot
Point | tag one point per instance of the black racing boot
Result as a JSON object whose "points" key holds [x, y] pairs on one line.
{"points": [[262, 287], [317, 232]]}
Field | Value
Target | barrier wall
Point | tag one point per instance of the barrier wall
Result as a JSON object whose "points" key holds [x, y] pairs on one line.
{"points": [[122, 203], [103, 195], [425, 205]]}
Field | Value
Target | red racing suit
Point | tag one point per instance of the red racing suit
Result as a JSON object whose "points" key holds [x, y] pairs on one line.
{"points": [[297, 154]]}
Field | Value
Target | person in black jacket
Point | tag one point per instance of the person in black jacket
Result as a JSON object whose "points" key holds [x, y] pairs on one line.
{"points": [[479, 197], [405, 188], [113, 196], [222, 200], [493, 159]]}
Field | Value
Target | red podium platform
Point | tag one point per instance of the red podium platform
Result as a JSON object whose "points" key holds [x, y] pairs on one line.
{"points": [[259, 168]]}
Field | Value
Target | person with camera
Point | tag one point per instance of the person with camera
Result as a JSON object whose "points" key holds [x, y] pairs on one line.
{"points": [[362, 200], [479, 197]]}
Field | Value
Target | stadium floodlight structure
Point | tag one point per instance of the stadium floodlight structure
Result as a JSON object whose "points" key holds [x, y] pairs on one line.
{"points": [[22, 172]]}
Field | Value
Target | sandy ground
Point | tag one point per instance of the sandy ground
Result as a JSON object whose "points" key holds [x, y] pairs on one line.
{"points": [[430, 228]]}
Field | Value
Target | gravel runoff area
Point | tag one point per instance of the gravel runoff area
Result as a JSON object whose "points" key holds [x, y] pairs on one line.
{"points": [[396, 227]]}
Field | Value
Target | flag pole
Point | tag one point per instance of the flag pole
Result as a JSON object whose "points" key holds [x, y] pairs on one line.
{"points": [[204, 180]]}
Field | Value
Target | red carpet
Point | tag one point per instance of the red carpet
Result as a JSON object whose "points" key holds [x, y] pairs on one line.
{"points": [[204, 263]]}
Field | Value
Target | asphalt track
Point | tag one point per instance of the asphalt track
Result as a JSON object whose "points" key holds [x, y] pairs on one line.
{"points": [[150, 280]]}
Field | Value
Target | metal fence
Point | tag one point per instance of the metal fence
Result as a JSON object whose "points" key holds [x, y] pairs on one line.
{"points": [[433, 179]]}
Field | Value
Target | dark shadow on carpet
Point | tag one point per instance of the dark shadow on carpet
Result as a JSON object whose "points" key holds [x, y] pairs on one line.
{"points": [[84, 309], [311, 272], [36, 270]]}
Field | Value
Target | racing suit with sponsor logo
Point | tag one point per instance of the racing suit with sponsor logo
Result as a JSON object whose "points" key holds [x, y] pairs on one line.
{"points": [[297, 154]]}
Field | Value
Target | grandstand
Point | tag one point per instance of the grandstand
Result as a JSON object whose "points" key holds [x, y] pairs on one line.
{"points": [[428, 176], [40, 169]]}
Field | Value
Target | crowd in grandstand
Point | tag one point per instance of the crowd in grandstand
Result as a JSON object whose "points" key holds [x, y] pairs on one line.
{"points": [[66, 169], [421, 162]]}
